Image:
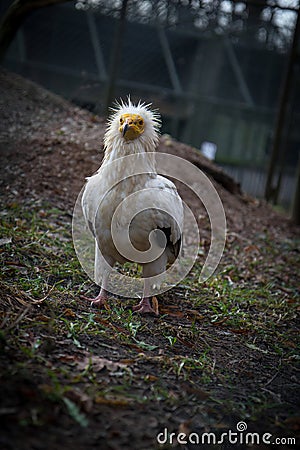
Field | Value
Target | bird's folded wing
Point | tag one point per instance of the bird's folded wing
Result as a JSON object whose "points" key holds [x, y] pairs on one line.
{"points": [[163, 211]]}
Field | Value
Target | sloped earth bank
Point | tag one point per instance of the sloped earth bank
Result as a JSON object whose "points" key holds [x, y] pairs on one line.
{"points": [[74, 377]]}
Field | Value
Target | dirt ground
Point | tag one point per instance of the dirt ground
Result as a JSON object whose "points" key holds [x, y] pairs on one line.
{"points": [[75, 377]]}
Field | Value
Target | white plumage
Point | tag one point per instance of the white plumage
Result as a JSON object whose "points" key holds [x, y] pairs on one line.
{"points": [[150, 200]]}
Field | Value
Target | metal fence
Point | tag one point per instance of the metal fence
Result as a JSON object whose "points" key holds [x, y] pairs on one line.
{"points": [[221, 87]]}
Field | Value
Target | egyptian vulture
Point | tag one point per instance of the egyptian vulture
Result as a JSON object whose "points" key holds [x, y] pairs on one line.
{"points": [[132, 130]]}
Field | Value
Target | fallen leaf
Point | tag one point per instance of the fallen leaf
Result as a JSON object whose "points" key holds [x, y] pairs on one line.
{"points": [[144, 345], [155, 305], [42, 318], [111, 401], [15, 263], [127, 361], [171, 313], [251, 248], [239, 330], [69, 313], [290, 344], [23, 302], [151, 378], [46, 388], [221, 425], [219, 322], [67, 358], [96, 363], [184, 427], [196, 315], [186, 343], [293, 423], [79, 397], [253, 347], [5, 241], [196, 391]]}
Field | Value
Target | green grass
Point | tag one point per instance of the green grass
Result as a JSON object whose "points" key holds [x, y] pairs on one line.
{"points": [[51, 330], [40, 256]]}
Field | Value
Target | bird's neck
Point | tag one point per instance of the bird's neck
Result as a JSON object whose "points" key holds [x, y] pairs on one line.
{"points": [[140, 155]]}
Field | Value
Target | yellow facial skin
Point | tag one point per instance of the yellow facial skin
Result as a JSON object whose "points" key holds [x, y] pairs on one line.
{"points": [[131, 126]]}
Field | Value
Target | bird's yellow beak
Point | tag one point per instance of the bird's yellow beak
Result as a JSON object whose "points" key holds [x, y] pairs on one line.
{"points": [[131, 126]]}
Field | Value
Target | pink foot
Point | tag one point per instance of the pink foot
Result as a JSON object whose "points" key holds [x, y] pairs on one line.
{"points": [[144, 307], [100, 300]]}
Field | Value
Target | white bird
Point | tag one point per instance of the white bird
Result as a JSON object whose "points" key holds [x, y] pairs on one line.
{"points": [[154, 201]]}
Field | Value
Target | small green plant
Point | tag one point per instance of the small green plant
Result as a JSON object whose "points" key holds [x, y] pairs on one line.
{"points": [[72, 331], [172, 340], [75, 412], [134, 327]]}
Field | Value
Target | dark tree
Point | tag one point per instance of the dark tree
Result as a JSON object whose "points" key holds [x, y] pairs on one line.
{"points": [[15, 16]]}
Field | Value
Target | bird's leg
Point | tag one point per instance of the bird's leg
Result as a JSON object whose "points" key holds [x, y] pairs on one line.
{"points": [[101, 298], [101, 265], [145, 307]]}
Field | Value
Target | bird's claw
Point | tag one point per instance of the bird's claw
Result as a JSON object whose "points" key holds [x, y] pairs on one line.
{"points": [[144, 307], [100, 301]]}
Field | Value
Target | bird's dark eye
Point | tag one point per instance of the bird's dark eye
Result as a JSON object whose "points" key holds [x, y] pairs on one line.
{"points": [[121, 120], [141, 122]]}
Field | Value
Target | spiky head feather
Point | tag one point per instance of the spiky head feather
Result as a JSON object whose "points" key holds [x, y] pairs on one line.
{"points": [[148, 141]]}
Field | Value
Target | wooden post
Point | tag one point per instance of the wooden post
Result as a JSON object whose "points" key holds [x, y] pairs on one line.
{"points": [[296, 199], [271, 190]]}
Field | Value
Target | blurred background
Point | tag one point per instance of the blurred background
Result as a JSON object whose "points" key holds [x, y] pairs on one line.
{"points": [[224, 74]]}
